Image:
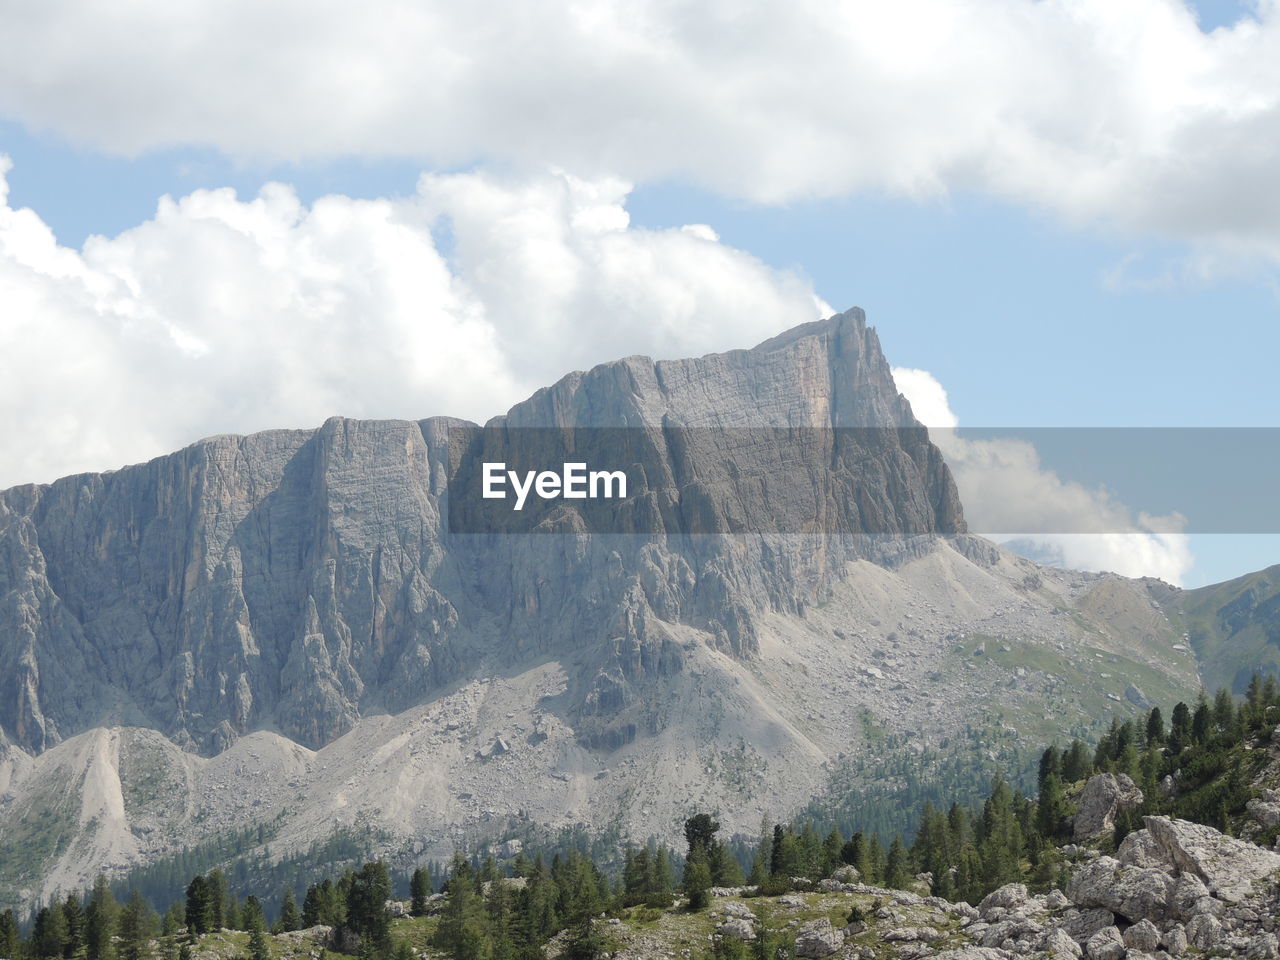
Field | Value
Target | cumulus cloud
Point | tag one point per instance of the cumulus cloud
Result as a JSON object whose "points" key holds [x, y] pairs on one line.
{"points": [[1124, 111], [1010, 496], [223, 314]]}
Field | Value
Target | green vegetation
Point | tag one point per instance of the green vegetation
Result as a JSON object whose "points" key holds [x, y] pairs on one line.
{"points": [[1201, 764]]}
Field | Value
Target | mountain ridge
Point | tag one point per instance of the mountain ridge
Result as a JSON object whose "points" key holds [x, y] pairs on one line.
{"points": [[281, 629]]}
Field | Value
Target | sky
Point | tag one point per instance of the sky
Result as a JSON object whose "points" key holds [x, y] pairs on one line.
{"points": [[225, 217]]}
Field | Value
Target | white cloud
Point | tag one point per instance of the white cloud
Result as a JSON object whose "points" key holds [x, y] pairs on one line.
{"points": [[228, 315], [1011, 497], [1120, 110]]}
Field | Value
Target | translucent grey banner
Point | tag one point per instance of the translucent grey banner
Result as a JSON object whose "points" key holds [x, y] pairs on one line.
{"points": [[673, 479]]}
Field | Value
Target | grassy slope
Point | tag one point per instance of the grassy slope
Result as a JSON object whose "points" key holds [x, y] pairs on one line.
{"points": [[1234, 626]]}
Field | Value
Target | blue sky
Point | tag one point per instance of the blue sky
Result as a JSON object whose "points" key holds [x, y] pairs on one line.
{"points": [[1034, 300]]}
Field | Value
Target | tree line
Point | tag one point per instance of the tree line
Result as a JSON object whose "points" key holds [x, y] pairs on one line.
{"points": [[1196, 766]]}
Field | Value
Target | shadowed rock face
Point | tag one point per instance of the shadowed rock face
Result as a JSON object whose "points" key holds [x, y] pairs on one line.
{"points": [[296, 580]]}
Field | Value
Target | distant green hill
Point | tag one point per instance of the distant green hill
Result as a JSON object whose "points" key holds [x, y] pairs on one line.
{"points": [[1234, 627]]}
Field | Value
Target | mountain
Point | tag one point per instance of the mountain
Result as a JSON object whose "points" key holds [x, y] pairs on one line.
{"points": [[312, 631], [1234, 627]]}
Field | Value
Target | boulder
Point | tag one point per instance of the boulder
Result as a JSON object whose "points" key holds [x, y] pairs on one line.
{"points": [[1101, 799], [1143, 935], [1056, 900], [1138, 849], [1266, 813], [1174, 940], [971, 953], [1204, 931], [1086, 923], [913, 934], [736, 908], [1105, 945], [1228, 866], [1009, 896], [737, 928], [846, 874], [1136, 893], [818, 938], [1190, 897], [1059, 945], [1263, 947]]}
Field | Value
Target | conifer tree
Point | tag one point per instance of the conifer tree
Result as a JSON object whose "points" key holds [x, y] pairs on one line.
{"points": [[100, 922], [1180, 735], [419, 890], [255, 923], [1075, 762], [1155, 732], [48, 933], [216, 891], [462, 925], [289, 919], [134, 927], [198, 913], [896, 873], [9, 937], [73, 920], [697, 878]]}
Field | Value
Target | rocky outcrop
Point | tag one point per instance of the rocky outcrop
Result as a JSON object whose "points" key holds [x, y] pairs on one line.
{"points": [[1228, 866], [1103, 797], [1132, 892], [817, 939], [295, 579]]}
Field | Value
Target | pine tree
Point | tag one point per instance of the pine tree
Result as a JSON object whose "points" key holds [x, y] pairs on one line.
{"points": [[73, 920], [9, 936], [1075, 762], [48, 933], [725, 869], [831, 852], [134, 927], [1155, 732], [198, 913], [100, 922], [367, 896], [1050, 763], [255, 922], [896, 872], [216, 891], [289, 919], [462, 925], [1201, 720], [1051, 810], [419, 890], [697, 878], [1180, 734]]}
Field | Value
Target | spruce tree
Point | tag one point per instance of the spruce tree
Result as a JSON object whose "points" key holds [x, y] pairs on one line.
{"points": [[697, 878], [896, 873], [462, 932], [100, 922], [255, 923], [134, 927], [216, 892], [1075, 762], [289, 919], [198, 914], [9, 937], [73, 920], [48, 932], [419, 891]]}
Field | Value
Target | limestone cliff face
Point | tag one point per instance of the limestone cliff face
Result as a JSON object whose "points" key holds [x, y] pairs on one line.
{"points": [[296, 580]]}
